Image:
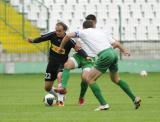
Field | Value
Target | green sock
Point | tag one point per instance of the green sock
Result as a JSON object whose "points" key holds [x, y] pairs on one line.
{"points": [[84, 86], [97, 92], [126, 89], [65, 77]]}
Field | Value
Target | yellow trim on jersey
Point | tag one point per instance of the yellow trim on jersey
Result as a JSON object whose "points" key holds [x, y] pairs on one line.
{"points": [[56, 48]]}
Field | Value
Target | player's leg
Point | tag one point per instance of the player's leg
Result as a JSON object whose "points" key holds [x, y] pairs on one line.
{"points": [[73, 62], [59, 75], [49, 83], [59, 79], [84, 86], [114, 75], [66, 72], [86, 66], [101, 66], [50, 76], [125, 87], [94, 74], [105, 59], [61, 97]]}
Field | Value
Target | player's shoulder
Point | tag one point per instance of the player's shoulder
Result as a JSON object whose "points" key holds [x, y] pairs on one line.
{"points": [[89, 31], [49, 33], [106, 29]]}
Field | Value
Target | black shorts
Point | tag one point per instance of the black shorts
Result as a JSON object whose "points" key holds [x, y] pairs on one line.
{"points": [[52, 70]]}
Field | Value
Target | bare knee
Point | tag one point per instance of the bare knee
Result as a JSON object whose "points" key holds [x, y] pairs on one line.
{"points": [[68, 65], [84, 76], [93, 75], [87, 77], [115, 79]]}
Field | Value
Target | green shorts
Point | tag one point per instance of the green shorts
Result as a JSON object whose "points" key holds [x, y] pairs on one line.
{"points": [[81, 62], [107, 59]]}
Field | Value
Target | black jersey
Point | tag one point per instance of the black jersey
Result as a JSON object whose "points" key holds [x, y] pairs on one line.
{"points": [[55, 43]]}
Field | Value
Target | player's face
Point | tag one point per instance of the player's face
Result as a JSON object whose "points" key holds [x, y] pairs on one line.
{"points": [[60, 31]]}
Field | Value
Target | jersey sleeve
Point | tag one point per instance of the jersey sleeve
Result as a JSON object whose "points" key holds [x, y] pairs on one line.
{"points": [[80, 51], [111, 40], [43, 38], [78, 33]]}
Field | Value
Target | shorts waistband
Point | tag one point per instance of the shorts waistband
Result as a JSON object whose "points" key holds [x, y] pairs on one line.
{"points": [[104, 50]]}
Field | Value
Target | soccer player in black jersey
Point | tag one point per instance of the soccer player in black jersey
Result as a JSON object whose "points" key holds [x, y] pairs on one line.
{"points": [[57, 60]]}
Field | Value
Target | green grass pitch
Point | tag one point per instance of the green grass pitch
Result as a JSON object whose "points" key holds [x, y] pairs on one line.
{"points": [[21, 100]]}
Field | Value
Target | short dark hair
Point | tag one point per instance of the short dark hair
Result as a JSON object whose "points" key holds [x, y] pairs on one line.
{"points": [[88, 24], [65, 27], [91, 17]]}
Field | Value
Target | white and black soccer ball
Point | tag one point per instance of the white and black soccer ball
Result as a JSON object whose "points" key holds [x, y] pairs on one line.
{"points": [[50, 100]]}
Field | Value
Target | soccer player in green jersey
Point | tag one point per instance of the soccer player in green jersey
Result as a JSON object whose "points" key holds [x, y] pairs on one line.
{"points": [[101, 44]]}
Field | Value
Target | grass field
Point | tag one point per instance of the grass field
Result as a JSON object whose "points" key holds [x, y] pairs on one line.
{"points": [[21, 100]]}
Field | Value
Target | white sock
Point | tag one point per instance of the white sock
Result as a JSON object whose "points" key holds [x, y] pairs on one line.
{"points": [[60, 85], [53, 92], [61, 97]]}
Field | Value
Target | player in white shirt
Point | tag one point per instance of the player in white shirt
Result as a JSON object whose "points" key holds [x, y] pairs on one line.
{"points": [[101, 44], [84, 85], [94, 20]]}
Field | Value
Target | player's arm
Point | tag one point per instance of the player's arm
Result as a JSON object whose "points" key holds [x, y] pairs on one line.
{"points": [[78, 49], [67, 38], [117, 44], [42, 38]]}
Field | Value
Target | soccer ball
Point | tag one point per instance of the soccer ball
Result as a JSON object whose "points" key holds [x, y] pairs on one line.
{"points": [[143, 73], [50, 100]]}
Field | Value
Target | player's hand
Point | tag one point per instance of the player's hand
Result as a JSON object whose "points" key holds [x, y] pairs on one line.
{"points": [[61, 50], [126, 52], [30, 40], [90, 59], [77, 47]]}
